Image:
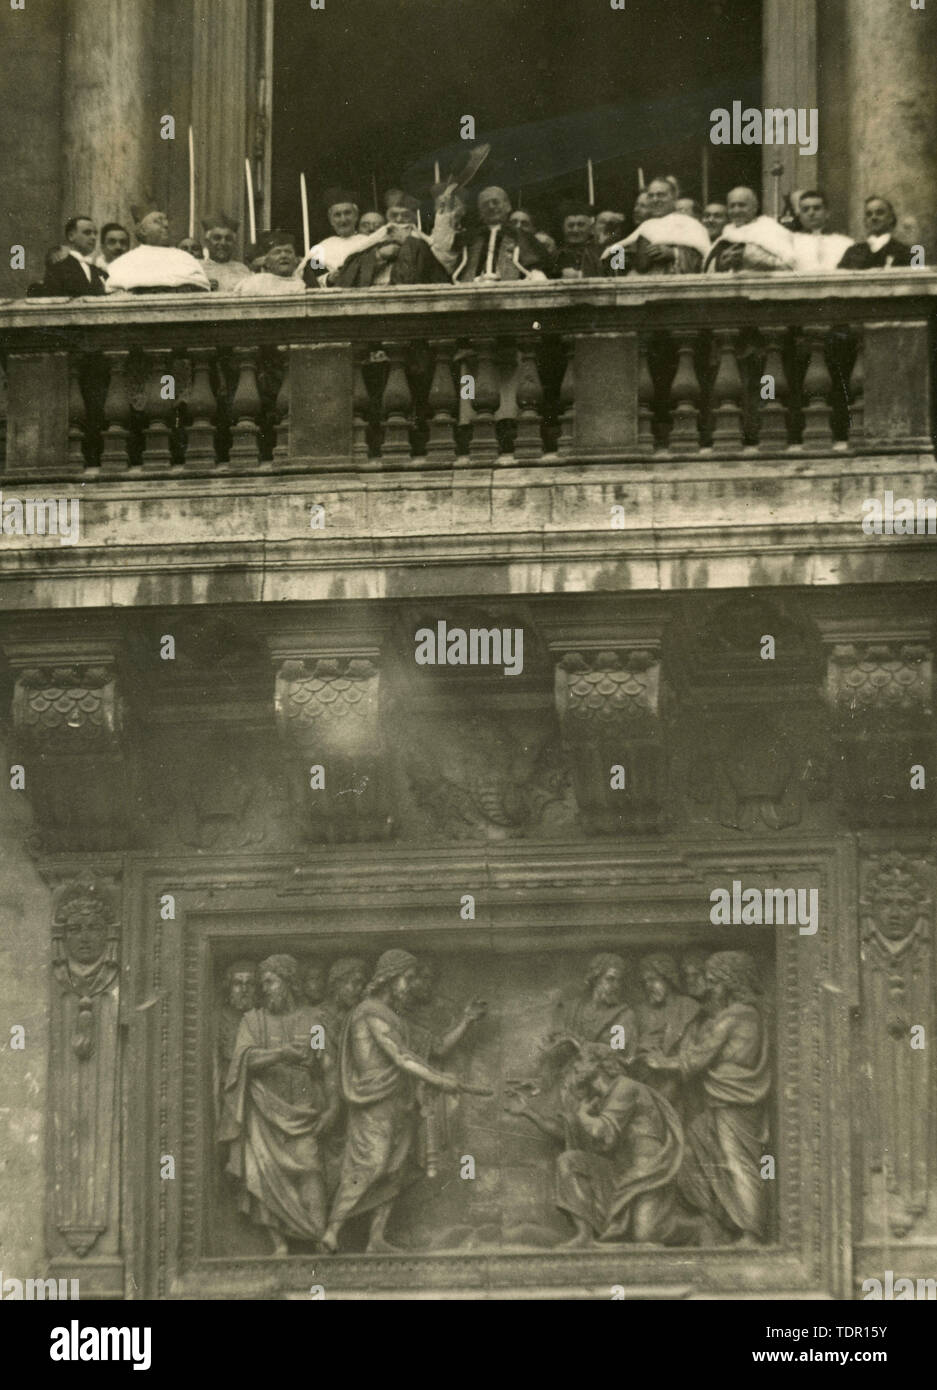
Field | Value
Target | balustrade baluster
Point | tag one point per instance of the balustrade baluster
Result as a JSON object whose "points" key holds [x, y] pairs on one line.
{"points": [[857, 394], [443, 405], [395, 449], [645, 401], [529, 441], [567, 398], [245, 409], [281, 449], [727, 394], [77, 416], [360, 408], [202, 412], [685, 395], [116, 437], [818, 386], [487, 399], [159, 404], [773, 435]]}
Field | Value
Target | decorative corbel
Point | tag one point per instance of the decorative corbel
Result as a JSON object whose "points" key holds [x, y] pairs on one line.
{"points": [[879, 690], [327, 711], [608, 701]]}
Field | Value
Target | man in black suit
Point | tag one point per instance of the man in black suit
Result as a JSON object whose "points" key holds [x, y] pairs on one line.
{"points": [[880, 250], [74, 274]]}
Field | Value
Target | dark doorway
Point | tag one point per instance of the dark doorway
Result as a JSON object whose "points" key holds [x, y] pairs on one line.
{"points": [[370, 92]]}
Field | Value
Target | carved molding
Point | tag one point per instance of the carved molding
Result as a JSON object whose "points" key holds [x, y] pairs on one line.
{"points": [[880, 676], [84, 1060]]}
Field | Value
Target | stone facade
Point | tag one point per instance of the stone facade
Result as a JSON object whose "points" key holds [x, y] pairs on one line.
{"points": [[230, 756]]}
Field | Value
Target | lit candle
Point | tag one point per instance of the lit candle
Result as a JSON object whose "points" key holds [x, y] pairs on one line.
{"points": [[251, 217], [305, 203], [591, 183], [191, 184]]}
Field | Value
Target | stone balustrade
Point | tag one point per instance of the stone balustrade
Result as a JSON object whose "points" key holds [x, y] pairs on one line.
{"points": [[514, 375]]}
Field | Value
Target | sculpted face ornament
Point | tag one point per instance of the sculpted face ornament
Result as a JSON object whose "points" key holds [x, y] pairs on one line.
{"points": [[655, 987], [609, 986], [242, 988]]}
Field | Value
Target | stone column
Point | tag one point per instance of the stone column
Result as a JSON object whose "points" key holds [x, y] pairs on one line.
{"points": [[223, 103], [109, 116], [891, 91], [789, 78]]}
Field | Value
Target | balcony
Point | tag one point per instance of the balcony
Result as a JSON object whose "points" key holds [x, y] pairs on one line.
{"points": [[731, 424]]}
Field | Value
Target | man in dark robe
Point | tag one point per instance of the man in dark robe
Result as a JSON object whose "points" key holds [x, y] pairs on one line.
{"points": [[280, 1099], [880, 250], [623, 1146], [377, 1069], [500, 251], [578, 257], [405, 257], [721, 1174]]}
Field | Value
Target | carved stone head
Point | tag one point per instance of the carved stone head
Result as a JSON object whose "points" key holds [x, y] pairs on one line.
{"points": [[659, 977], [896, 898], [241, 985], [605, 978], [347, 979], [279, 983], [315, 979], [85, 923]]}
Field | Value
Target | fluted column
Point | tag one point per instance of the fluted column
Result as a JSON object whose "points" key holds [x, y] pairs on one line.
{"points": [[222, 81], [110, 121], [891, 91]]}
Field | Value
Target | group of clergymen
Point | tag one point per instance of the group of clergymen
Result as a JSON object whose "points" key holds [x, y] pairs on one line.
{"points": [[332, 1088], [485, 244]]}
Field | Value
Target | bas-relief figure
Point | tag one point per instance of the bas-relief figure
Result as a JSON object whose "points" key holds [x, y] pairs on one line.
{"points": [[280, 1099], [660, 1110], [84, 1048]]}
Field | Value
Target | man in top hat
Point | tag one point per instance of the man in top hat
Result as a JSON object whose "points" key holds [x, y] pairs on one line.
{"points": [[328, 256], [155, 265], [579, 256], [375, 1069]]}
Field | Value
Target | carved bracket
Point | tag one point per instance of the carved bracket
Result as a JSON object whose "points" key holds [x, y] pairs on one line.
{"points": [[608, 703], [69, 717], [880, 694], [327, 709]]}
